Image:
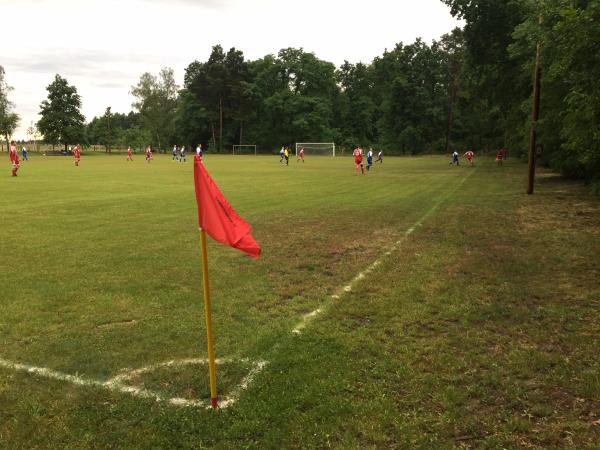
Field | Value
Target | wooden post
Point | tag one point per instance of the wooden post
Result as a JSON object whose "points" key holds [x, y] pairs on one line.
{"points": [[208, 317], [535, 112]]}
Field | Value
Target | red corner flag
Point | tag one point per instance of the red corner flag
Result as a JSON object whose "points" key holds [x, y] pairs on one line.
{"points": [[218, 218]]}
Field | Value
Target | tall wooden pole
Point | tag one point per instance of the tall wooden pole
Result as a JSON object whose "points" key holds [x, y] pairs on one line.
{"points": [[535, 112], [208, 316]]}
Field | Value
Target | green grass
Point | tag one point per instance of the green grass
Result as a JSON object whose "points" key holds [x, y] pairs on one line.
{"points": [[481, 330]]}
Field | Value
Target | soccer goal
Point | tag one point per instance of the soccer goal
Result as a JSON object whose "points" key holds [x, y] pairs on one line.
{"points": [[316, 148], [244, 149]]}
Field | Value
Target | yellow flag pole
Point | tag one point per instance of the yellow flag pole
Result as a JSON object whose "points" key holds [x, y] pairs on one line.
{"points": [[208, 317]]}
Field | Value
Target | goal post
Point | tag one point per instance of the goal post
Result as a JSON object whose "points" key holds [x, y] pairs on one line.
{"points": [[316, 148], [244, 149]]}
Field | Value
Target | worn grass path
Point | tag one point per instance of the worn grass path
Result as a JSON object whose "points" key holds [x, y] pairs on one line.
{"points": [[479, 330]]}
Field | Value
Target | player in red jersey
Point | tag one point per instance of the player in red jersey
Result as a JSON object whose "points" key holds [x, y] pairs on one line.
{"points": [[14, 158], [77, 154], [500, 156], [301, 155], [358, 158], [129, 153], [470, 156], [148, 154]]}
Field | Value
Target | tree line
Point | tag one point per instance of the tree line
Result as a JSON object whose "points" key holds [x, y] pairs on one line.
{"points": [[471, 89], [500, 39]]}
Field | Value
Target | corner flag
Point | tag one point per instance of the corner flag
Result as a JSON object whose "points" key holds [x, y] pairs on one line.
{"points": [[218, 218]]}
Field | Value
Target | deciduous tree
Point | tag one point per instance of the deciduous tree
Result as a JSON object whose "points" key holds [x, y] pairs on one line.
{"points": [[62, 121], [9, 120]]}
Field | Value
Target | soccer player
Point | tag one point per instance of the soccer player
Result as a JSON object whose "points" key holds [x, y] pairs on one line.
{"points": [[455, 158], [148, 154], [182, 158], [380, 157], [129, 153], [199, 151], [301, 155], [369, 159], [14, 158], [175, 157], [77, 154], [500, 156], [470, 156], [24, 153], [358, 158], [281, 152], [286, 154]]}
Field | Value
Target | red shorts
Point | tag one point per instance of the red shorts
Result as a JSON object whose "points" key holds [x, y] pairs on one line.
{"points": [[469, 158], [358, 160]]}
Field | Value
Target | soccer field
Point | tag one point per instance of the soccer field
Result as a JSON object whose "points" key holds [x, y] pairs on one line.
{"points": [[419, 305]]}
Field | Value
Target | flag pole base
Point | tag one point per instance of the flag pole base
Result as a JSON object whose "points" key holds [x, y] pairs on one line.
{"points": [[214, 402]]}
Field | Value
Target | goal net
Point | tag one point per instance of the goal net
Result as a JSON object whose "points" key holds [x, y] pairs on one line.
{"points": [[316, 148], [244, 149]]}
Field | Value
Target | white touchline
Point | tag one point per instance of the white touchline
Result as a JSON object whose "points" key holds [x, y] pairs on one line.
{"points": [[348, 288], [117, 383]]}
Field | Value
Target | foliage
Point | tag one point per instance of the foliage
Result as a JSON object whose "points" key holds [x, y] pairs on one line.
{"points": [[471, 89], [8, 119], [191, 121], [570, 111], [62, 121], [113, 129], [156, 102], [501, 40]]}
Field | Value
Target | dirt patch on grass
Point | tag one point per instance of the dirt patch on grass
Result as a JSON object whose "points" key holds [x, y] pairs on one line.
{"points": [[556, 214]]}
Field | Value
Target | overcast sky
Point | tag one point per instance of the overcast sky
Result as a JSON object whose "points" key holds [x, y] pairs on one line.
{"points": [[103, 46]]}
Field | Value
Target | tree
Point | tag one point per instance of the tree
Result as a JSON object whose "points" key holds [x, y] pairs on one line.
{"points": [[156, 101], [239, 93], [191, 123], [8, 119], [294, 93], [33, 133], [453, 46], [569, 124], [208, 82], [498, 82], [411, 95], [357, 108], [61, 121], [135, 136]]}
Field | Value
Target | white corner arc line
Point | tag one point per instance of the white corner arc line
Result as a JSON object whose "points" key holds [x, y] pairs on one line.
{"points": [[117, 383], [305, 319]]}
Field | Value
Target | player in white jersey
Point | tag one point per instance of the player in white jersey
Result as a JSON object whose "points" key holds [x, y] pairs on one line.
{"points": [[369, 159]]}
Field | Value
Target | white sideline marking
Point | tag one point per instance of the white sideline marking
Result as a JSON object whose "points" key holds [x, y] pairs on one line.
{"points": [[348, 288], [117, 383]]}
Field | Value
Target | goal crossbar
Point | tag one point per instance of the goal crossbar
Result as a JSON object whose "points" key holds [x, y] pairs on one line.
{"points": [[329, 146], [238, 147]]}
